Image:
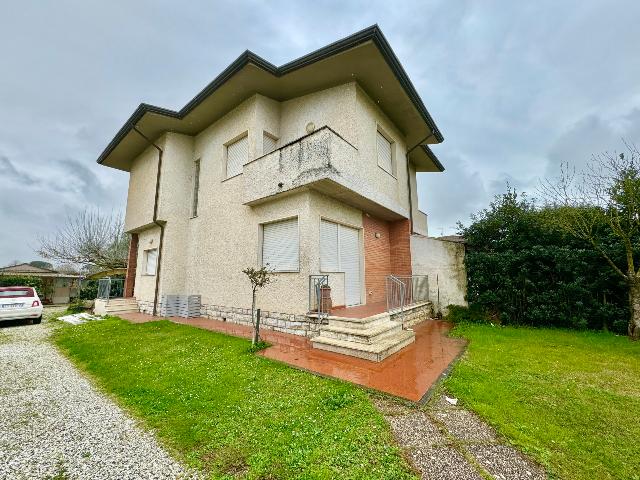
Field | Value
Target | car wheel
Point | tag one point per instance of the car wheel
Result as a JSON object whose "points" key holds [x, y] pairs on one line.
{"points": [[35, 321]]}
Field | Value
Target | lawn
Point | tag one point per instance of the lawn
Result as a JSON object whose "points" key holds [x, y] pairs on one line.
{"points": [[231, 412], [571, 400]]}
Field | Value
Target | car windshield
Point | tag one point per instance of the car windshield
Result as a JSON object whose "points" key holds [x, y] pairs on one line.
{"points": [[26, 292]]}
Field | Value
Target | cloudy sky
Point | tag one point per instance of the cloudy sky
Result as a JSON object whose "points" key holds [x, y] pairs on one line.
{"points": [[515, 87]]}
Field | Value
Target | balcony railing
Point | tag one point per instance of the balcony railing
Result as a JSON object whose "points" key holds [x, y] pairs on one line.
{"points": [[404, 291]]}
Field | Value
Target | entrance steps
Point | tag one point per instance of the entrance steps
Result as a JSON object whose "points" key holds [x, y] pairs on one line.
{"points": [[373, 338], [115, 306]]}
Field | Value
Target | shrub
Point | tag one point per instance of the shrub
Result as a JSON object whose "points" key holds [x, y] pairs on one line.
{"points": [[21, 281], [473, 314], [76, 307], [525, 271]]}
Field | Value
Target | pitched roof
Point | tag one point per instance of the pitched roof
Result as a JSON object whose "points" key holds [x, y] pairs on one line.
{"points": [[30, 270], [365, 56]]}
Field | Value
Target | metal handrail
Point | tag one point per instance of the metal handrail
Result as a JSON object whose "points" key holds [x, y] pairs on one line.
{"points": [[316, 303], [110, 288], [406, 290]]}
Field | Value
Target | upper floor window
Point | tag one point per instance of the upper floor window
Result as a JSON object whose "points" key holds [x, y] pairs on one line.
{"points": [[237, 156], [280, 245], [269, 143], [196, 188], [385, 153]]}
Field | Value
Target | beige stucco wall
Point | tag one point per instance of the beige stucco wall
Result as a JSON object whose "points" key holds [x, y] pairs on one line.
{"points": [[443, 262], [205, 255]]}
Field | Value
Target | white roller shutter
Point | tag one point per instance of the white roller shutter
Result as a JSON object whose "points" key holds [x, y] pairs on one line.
{"points": [[350, 264], [280, 246], [269, 144], [237, 156], [151, 261], [329, 247], [384, 153]]}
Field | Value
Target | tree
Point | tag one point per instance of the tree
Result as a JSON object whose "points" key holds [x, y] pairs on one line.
{"points": [[41, 264], [606, 192], [90, 239], [259, 278]]}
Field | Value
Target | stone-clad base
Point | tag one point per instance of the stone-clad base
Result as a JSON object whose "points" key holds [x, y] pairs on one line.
{"points": [[279, 322], [414, 315]]}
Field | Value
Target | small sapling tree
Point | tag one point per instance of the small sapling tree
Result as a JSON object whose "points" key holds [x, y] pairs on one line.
{"points": [[259, 278]]}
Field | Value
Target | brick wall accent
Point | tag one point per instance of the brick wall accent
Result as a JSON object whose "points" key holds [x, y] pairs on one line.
{"points": [[132, 262], [389, 253], [400, 248], [377, 258]]}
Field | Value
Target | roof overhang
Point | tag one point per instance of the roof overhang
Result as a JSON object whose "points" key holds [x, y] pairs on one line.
{"points": [[365, 57]]}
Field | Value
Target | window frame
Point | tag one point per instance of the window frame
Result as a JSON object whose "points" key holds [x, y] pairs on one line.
{"points": [[243, 136], [145, 262], [392, 147], [195, 190], [261, 252], [272, 137]]}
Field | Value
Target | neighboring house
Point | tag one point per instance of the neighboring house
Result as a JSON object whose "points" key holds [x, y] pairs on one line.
{"points": [[57, 287], [309, 168]]}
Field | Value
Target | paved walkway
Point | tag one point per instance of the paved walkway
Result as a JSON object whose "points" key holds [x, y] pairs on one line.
{"points": [[445, 442], [55, 424], [408, 374]]}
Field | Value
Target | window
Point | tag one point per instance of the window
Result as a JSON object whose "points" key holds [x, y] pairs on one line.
{"points": [[150, 261], [237, 156], [385, 153], [196, 187], [269, 143], [280, 245]]}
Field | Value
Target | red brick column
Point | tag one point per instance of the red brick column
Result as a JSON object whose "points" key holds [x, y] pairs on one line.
{"points": [[132, 263], [400, 247], [377, 261]]}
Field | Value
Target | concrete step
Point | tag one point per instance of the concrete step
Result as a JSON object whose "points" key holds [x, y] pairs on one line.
{"points": [[359, 323], [375, 352], [376, 332], [122, 301]]}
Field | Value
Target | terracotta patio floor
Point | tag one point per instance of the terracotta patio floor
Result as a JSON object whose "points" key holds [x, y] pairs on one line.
{"points": [[407, 374], [361, 311]]}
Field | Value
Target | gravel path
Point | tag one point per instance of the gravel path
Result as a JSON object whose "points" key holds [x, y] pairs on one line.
{"points": [[449, 443], [55, 424]]}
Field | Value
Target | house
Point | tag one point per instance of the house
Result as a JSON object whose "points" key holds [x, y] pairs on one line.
{"points": [[309, 168], [57, 287]]}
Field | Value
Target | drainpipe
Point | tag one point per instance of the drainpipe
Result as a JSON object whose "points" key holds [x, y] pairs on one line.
{"points": [[409, 179], [155, 218]]}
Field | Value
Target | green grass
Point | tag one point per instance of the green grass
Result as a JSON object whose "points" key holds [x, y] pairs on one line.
{"points": [[569, 399], [231, 412]]}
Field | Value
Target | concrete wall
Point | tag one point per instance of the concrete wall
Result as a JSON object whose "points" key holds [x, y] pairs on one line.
{"points": [[443, 262]]}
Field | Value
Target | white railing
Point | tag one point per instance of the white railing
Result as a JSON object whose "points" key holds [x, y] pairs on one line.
{"points": [[406, 290]]}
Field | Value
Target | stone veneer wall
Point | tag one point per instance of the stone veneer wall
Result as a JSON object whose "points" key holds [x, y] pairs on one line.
{"points": [[413, 316], [279, 322]]}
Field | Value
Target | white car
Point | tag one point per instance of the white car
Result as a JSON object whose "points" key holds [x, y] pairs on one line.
{"points": [[20, 303]]}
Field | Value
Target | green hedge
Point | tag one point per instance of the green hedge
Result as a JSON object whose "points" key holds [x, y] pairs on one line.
{"points": [[521, 270], [20, 281]]}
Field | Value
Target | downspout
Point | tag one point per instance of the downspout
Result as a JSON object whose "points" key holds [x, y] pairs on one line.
{"points": [[155, 218], [409, 179]]}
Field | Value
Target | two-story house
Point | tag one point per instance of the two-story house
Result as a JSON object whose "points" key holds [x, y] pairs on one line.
{"points": [[309, 168]]}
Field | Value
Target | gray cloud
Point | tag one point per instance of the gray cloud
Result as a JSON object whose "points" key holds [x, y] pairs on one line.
{"points": [[515, 87]]}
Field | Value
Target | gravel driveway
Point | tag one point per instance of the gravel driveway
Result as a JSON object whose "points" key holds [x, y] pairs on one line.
{"points": [[55, 424]]}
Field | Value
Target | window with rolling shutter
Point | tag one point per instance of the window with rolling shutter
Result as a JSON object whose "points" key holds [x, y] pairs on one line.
{"points": [[329, 247], [237, 156], [196, 188], [280, 245], [150, 261], [269, 144], [385, 157]]}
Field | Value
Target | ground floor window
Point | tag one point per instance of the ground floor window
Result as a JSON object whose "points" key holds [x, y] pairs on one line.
{"points": [[280, 245], [150, 258], [340, 252]]}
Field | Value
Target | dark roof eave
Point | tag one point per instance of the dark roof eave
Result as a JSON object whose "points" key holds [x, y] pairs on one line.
{"points": [[372, 33], [433, 158]]}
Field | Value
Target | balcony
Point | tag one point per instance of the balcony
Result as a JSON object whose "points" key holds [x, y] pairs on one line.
{"points": [[322, 161]]}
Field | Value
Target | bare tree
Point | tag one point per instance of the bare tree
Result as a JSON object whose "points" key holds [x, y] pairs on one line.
{"points": [[606, 192], [259, 278], [90, 239]]}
